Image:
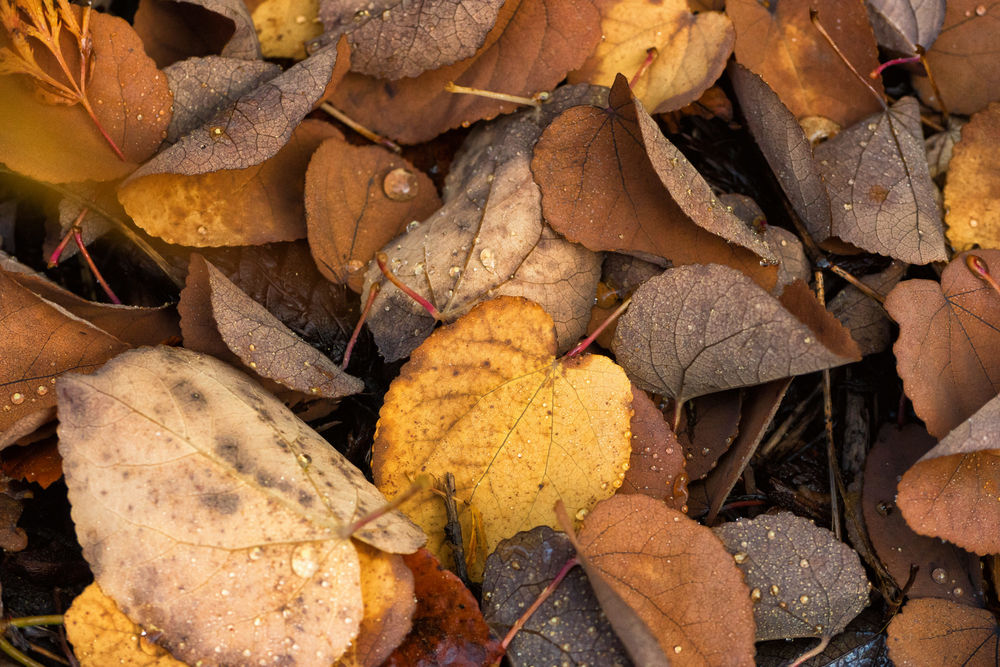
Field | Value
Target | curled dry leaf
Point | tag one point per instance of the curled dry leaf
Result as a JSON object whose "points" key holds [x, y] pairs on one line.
{"points": [[229, 527], [358, 198], [532, 46], [656, 467], [952, 491], [487, 239], [882, 198], [259, 339], [102, 635], [699, 329], [943, 570], [690, 51], [448, 627], [569, 627], [805, 583], [948, 350], [963, 58], [408, 38], [212, 209], [931, 632], [973, 180], [902, 25], [863, 316], [676, 575], [518, 428], [59, 142], [173, 30], [595, 164], [778, 42]]}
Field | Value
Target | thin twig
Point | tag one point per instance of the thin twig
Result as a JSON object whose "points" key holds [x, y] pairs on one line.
{"points": [[452, 87], [453, 529], [370, 135], [831, 446]]}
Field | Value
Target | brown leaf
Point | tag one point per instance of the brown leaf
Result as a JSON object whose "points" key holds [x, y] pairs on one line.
{"points": [[173, 30], [203, 87], [805, 583], [59, 143], [901, 25], [699, 329], [932, 632], [948, 350], [488, 238], [691, 51], [656, 466], [262, 342], [254, 128], [387, 588], [971, 193], [532, 46], [227, 527], [943, 571], [676, 575], [406, 39], [448, 627], [212, 209], [358, 198], [864, 317], [881, 195], [707, 427], [591, 165], [569, 627], [862, 643], [38, 462], [778, 42], [43, 341], [951, 492], [964, 58]]}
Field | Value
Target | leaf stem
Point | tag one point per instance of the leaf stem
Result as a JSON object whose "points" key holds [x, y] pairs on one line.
{"points": [[535, 101], [370, 135], [813, 652], [930, 79], [372, 293], [542, 597], [93, 267], [651, 54], [421, 483], [583, 344], [382, 259], [15, 654], [814, 17], [979, 268]]}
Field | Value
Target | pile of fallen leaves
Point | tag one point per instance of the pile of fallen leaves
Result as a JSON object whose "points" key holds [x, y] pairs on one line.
{"points": [[363, 429]]}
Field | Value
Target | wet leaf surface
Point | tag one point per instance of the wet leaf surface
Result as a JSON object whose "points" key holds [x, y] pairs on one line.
{"points": [[708, 426], [932, 632], [387, 588], [656, 466], [969, 196]]}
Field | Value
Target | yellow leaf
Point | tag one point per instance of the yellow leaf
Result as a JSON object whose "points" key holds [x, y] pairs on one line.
{"points": [[102, 635], [486, 399], [690, 51], [284, 26]]}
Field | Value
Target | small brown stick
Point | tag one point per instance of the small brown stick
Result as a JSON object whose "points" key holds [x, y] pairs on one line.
{"points": [[74, 233], [814, 17], [534, 101], [824, 263], [934, 86], [779, 433], [453, 529], [372, 293], [831, 445], [370, 135]]}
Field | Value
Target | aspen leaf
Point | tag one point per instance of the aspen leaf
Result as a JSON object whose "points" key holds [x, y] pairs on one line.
{"points": [[931, 632], [970, 196], [284, 27], [902, 25], [208, 510], [486, 399], [656, 467], [864, 317]]}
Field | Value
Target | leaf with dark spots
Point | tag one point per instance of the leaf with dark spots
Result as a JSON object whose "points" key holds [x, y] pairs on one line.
{"points": [[804, 582], [942, 570], [532, 46], [881, 194], [569, 626], [405, 39], [707, 427], [208, 517], [253, 128], [931, 632], [203, 87], [902, 25], [973, 181], [173, 30], [448, 627], [697, 329], [863, 316], [591, 165], [358, 198], [948, 350], [656, 466]]}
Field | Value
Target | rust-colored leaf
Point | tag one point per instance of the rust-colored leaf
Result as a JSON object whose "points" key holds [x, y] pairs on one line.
{"points": [[656, 467], [358, 198], [387, 588], [38, 462], [778, 42], [697, 329], [532, 46], [970, 196], [948, 350], [707, 427], [931, 632], [174, 30], [676, 575]]}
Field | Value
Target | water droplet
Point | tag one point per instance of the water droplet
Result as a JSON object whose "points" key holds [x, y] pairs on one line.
{"points": [[515, 565], [804, 599], [252, 347], [42, 390], [255, 553], [412, 224], [848, 207], [940, 575], [755, 594], [487, 259], [216, 131], [304, 460], [803, 563], [980, 10], [973, 223], [17, 398], [771, 534], [304, 561], [678, 648], [583, 513], [807, 340], [455, 271], [138, 116], [202, 230], [224, 592], [957, 592], [258, 621], [400, 184], [774, 590], [740, 556]]}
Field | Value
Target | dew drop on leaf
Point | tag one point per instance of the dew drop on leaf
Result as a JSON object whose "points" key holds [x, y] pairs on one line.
{"points": [[400, 184]]}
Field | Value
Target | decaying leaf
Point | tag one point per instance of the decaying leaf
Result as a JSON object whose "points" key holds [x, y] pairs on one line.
{"points": [[284, 27], [486, 399], [931, 632], [228, 528], [863, 316], [902, 25], [212, 209], [676, 575], [532, 46], [941, 146], [881, 194], [943, 570], [687, 327], [707, 427], [569, 626], [805, 583], [970, 197], [102, 635], [38, 462], [778, 42], [948, 350], [358, 198], [689, 51], [173, 30], [656, 467]]}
